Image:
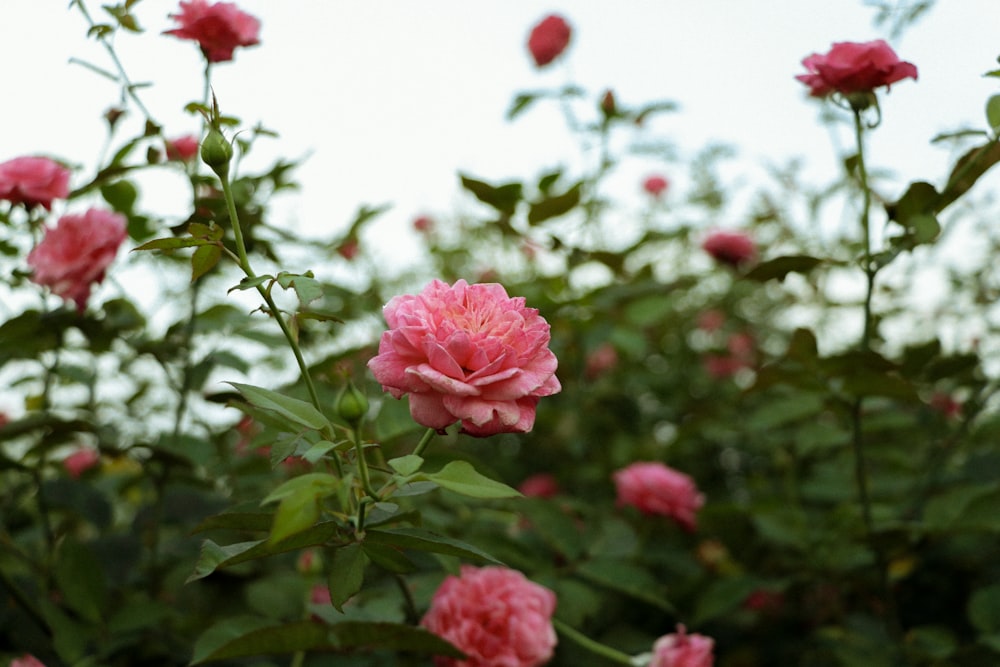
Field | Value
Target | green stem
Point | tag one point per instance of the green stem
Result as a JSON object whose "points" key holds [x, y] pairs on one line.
{"points": [[425, 440], [593, 646], [869, 268]]}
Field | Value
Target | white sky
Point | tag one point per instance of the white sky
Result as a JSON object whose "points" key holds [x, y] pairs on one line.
{"points": [[393, 97]]}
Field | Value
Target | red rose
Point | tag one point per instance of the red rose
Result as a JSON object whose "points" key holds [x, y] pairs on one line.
{"points": [[76, 253], [218, 28], [33, 181], [655, 185], [733, 248], [548, 39], [853, 67], [183, 149]]}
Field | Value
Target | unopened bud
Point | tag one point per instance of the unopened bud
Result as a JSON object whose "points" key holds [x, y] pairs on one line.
{"points": [[216, 152], [352, 405], [609, 107]]}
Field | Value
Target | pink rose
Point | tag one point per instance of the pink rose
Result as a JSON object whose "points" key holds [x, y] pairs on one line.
{"points": [[77, 252], [654, 488], [600, 360], [466, 353], [548, 39], [711, 321], [852, 67], [542, 485], [27, 660], [495, 616], [183, 149], [655, 185], [83, 459], [218, 28], [683, 650], [423, 224], [732, 248], [33, 181]]}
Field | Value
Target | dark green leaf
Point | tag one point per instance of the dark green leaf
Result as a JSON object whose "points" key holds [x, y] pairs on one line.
{"points": [[292, 409], [552, 207], [347, 573], [418, 539], [779, 267]]}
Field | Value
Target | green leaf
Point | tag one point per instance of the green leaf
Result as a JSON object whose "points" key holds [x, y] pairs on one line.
{"points": [[173, 243], [418, 539], [969, 168], [503, 198], [406, 465], [252, 521], [306, 287], [779, 267], [80, 579], [993, 112], [984, 609], [251, 283], [347, 573], [552, 207], [250, 636], [521, 102], [627, 578], [461, 477], [292, 409], [319, 450], [722, 597], [388, 558], [204, 260], [318, 483], [121, 195]]}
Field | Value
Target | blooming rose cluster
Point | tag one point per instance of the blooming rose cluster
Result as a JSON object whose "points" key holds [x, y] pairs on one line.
{"points": [[466, 353], [654, 488], [732, 248], [681, 649], [33, 181], [548, 39], [218, 28], [853, 67], [76, 253], [494, 615]]}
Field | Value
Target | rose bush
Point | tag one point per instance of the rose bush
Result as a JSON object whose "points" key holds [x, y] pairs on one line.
{"points": [[466, 353], [496, 616]]}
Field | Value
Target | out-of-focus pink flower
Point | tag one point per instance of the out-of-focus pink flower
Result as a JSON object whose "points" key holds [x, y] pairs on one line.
{"points": [[711, 321], [542, 485], [76, 253], [740, 355], [4, 419], [33, 181], [732, 248], [681, 649], [183, 149], [320, 594], [601, 360], [854, 67], [348, 249], [81, 460], [466, 353], [765, 601], [494, 615], [946, 405], [654, 488], [655, 185], [27, 660], [423, 224], [218, 28], [548, 39]]}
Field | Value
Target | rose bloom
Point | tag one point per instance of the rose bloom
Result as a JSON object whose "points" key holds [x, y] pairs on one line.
{"points": [[654, 488], [81, 460], [466, 353], [183, 149], [732, 248], [853, 67], [423, 224], [655, 185], [27, 660], [76, 253], [494, 615], [683, 650], [542, 485], [600, 360], [548, 39], [33, 181], [711, 321], [218, 28]]}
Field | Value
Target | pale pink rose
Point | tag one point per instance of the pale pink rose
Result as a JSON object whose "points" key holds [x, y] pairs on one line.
{"points": [[494, 615], [601, 360], [182, 149], [548, 39], [683, 650], [81, 460], [76, 253], [655, 185], [33, 181], [466, 353], [218, 28], [732, 248], [654, 488], [542, 485], [27, 660], [853, 67]]}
